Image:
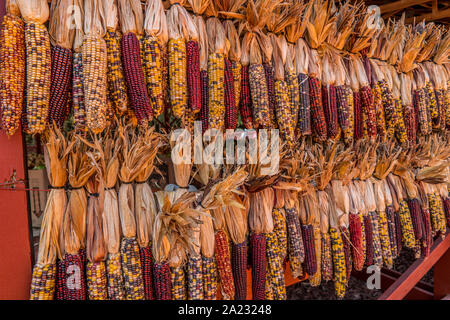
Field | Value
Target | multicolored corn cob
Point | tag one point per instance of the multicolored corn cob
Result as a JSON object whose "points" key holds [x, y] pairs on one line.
{"points": [[152, 64], [132, 269], [368, 108], [177, 77], [96, 280], [345, 235], [327, 261], [268, 71], [116, 290], [379, 111], [317, 112], [316, 278], [43, 282], [275, 288], [338, 254], [216, 90], [304, 113], [329, 100], [384, 239], [162, 276], [407, 229], [358, 115], [260, 96], [209, 273], [222, 255], [177, 284], [283, 112], [391, 230], [79, 109], [74, 280], [296, 249], [230, 99], [245, 105]]}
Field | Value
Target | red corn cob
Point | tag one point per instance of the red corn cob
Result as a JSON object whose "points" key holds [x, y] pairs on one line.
{"points": [[245, 105], [398, 231], [146, 263], [310, 250], [345, 233], [327, 262], [239, 267], [358, 116], [72, 270], [342, 107], [447, 210], [317, 114], [134, 75], [369, 240], [427, 239], [410, 123], [368, 109], [230, 100], [60, 285], [161, 279], [414, 209], [60, 84], [356, 239], [223, 260], [193, 75], [268, 70], [204, 113], [304, 112], [259, 265], [329, 100], [415, 96]]}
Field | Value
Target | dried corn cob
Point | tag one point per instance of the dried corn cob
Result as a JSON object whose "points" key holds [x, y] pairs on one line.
{"points": [[79, 110], [377, 250], [74, 268], [340, 274], [162, 279], [146, 257], [96, 280], [384, 239], [432, 104], [12, 66], [310, 250], [117, 89], [358, 115], [195, 278], [209, 269], [60, 286], [132, 269], [223, 260], [391, 229], [259, 265], [230, 100], [204, 112], [407, 230], [438, 221], [268, 71], [245, 106], [369, 240], [356, 240], [389, 109], [317, 112], [399, 235], [275, 273], [283, 111], [329, 99], [368, 108], [447, 210], [43, 282], [239, 264], [294, 95], [280, 229], [427, 232], [193, 75], [345, 234], [178, 284], [115, 279], [327, 261], [316, 278], [260, 96], [379, 111], [152, 64], [414, 209], [304, 115], [296, 250]]}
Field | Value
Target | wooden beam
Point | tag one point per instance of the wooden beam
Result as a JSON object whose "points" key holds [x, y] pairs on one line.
{"points": [[441, 14], [435, 7], [408, 280], [399, 5]]}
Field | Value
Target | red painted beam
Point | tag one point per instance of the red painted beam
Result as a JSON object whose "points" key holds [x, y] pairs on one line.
{"points": [[442, 277], [408, 280]]}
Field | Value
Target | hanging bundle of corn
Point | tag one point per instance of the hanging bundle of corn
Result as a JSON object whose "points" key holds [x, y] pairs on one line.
{"points": [[155, 40], [329, 96], [12, 64], [132, 22], [232, 75], [304, 113], [97, 281], [117, 88], [407, 229], [260, 223], [79, 108], [61, 57], [94, 58], [132, 157], [50, 245], [74, 223], [245, 102], [283, 109], [38, 63], [237, 225], [203, 62], [145, 207], [337, 250]]}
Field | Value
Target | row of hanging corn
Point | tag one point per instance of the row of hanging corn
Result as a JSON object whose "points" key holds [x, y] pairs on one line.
{"points": [[326, 211], [333, 71]]}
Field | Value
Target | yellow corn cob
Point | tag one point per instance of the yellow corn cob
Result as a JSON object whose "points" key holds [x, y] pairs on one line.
{"points": [[177, 77], [400, 128], [438, 221], [209, 269], [132, 269], [43, 282], [38, 76], [283, 112], [384, 237], [236, 68], [337, 249], [96, 280], [280, 229], [152, 64], [316, 278], [178, 283], [260, 96], [216, 80], [12, 72], [117, 88], [115, 279], [275, 286], [408, 237], [94, 82], [294, 95]]}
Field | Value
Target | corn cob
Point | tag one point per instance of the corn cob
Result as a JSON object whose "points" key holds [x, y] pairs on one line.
{"points": [[294, 95], [79, 109], [310, 250], [407, 230], [216, 90], [356, 240], [363, 236], [152, 64], [162, 279], [193, 75], [259, 96], [283, 112], [38, 55], [338, 254], [117, 89], [236, 68], [317, 112], [132, 269], [415, 109], [275, 273], [369, 240], [239, 267], [60, 286], [414, 209], [343, 110], [268, 71], [259, 265], [345, 235], [96, 280], [146, 257], [368, 108], [427, 232], [230, 100], [280, 229], [209, 269], [432, 105], [195, 278], [115, 279], [391, 229], [12, 75], [400, 127], [73, 267], [377, 250], [134, 75], [384, 239], [447, 210], [326, 261], [223, 260], [379, 111], [304, 114], [389, 109], [399, 233], [178, 284], [358, 115], [423, 112], [329, 98], [177, 77], [43, 282], [316, 278], [410, 119], [296, 250], [204, 112], [440, 99], [245, 105], [438, 221]]}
